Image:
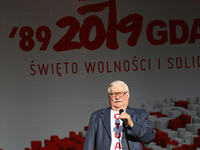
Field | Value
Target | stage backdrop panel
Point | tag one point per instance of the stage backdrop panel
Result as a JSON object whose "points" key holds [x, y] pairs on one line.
{"points": [[58, 58]]}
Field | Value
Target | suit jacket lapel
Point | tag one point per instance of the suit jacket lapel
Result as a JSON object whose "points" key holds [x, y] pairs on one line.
{"points": [[106, 121], [124, 142], [130, 111]]}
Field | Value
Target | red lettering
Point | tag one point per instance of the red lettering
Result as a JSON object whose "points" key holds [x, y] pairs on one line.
{"points": [[52, 69], [117, 124], [131, 23], [126, 66], [119, 136], [58, 67], [162, 34], [178, 32], [198, 61], [186, 64], [174, 24], [43, 35], [66, 66], [116, 116], [26, 43], [118, 145], [90, 67], [89, 23], [193, 62], [74, 68], [117, 66], [169, 60], [135, 27], [100, 67], [43, 69], [108, 71], [112, 20], [92, 33], [142, 65], [194, 35], [66, 43], [179, 63], [112, 26], [159, 63], [149, 64]]}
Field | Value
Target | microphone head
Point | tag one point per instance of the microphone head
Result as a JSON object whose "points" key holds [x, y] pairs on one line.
{"points": [[121, 111]]}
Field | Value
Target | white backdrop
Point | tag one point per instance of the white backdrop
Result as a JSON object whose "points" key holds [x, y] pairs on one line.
{"points": [[35, 105]]}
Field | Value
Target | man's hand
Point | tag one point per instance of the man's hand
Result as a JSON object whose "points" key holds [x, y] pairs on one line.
{"points": [[126, 116]]}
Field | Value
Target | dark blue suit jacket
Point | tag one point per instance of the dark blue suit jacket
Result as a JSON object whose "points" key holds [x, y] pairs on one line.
{"points": [[99, 131]]}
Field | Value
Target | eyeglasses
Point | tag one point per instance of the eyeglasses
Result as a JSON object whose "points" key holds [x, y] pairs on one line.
{"points": [[120, 94]]}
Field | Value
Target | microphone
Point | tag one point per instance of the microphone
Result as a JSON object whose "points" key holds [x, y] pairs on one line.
{"points": [[124, 120], [121, 111], [125, 128]]}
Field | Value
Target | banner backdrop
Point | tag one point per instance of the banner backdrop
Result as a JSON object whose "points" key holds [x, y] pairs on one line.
{"points": [[58, 58]]}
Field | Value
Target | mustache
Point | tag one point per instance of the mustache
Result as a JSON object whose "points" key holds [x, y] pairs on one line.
{"points": [[117, 100]]}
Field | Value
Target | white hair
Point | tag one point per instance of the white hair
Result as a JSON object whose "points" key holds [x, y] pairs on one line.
{"points": [[116, 83]]}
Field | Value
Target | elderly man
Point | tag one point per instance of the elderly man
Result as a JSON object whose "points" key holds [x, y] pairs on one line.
{"points": [[118, 127]]}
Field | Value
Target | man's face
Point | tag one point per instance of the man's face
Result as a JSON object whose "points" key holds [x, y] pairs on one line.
{"points": [[118, 97]]}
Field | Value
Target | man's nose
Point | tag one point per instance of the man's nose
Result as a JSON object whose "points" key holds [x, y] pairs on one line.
{"points": [[117, 96]]}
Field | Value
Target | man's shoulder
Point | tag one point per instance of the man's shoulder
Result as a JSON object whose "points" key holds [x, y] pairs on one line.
{"points": [[136, 110], [100, 111]]}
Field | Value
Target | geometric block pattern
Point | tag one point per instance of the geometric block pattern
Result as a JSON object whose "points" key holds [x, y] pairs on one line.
{"points": [[177, 124], [73, 142]]}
